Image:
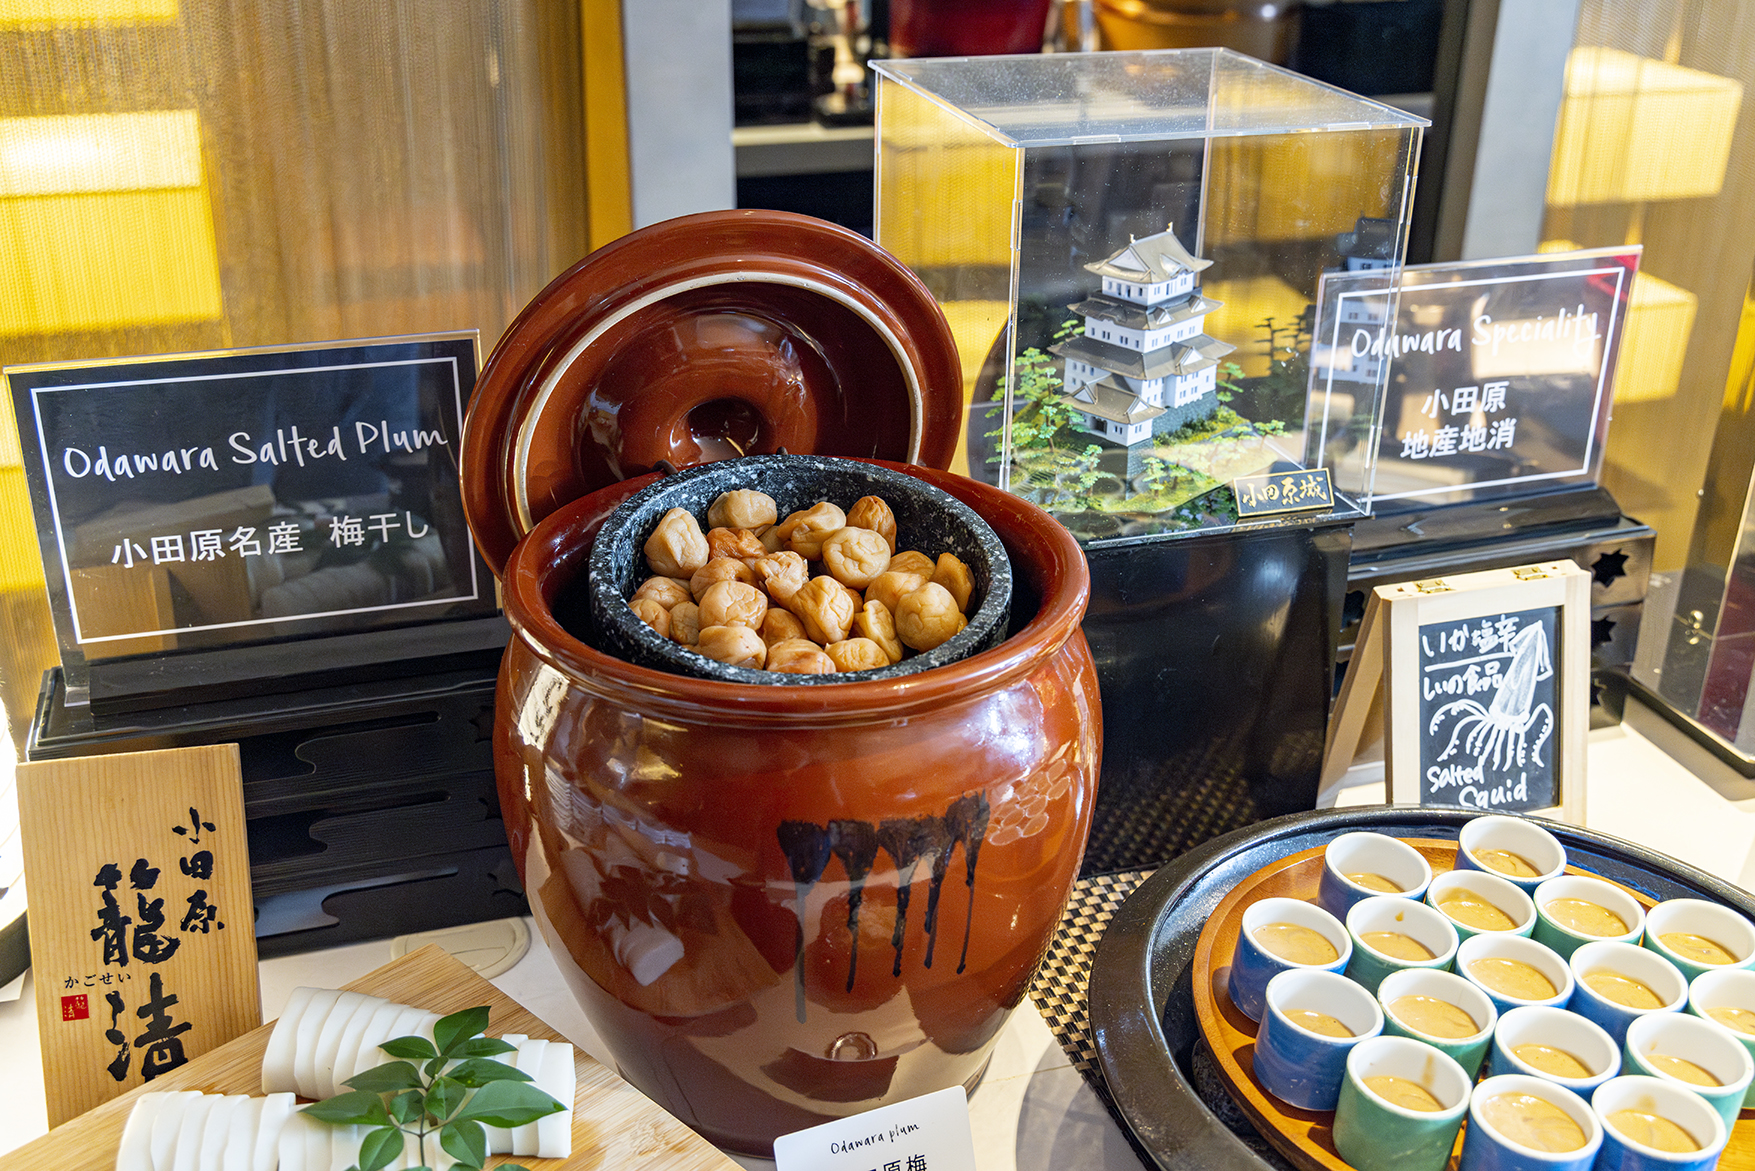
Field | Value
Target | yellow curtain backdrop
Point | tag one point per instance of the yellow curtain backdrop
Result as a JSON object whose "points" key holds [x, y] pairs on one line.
{"points": [[182, 175]]}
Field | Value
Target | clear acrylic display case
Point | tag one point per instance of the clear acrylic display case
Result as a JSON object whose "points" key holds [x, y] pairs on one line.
{"points": [[1128, 246]]}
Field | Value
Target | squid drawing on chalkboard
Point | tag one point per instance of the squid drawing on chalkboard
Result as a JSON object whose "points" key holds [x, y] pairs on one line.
{"points": [[1502, 728]]}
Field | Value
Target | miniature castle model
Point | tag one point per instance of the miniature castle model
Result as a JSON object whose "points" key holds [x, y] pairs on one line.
{"points": [[1142, 365]]}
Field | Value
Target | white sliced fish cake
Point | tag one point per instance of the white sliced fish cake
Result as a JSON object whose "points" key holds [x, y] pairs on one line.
{"points": [[214, 1132], [240, 1139], [276, 1109], [186, 1154], [277, 1057], [328, 1042], [344, 1146], [359, 1051], [530, 1054], [135, 1151], [295, 1142], [499, 1138], [310, 1027], [554, 1132], [166, 1124]]}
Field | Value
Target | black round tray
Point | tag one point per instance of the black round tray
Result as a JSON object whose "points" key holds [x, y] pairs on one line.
{"points": [[1141, 1004]]}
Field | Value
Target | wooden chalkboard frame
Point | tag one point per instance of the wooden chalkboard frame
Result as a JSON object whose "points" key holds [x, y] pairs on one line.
{"points": [[1382, 681]]}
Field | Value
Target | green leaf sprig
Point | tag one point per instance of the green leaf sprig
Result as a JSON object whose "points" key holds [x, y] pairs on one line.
{"points": [[433, 1100]]}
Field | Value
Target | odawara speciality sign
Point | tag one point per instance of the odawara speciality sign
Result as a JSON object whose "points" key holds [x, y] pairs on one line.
{"points": [[1501, 374], [206, 500]]}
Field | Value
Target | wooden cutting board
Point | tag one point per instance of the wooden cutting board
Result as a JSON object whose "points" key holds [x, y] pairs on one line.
{"points": [[614, 1125]]}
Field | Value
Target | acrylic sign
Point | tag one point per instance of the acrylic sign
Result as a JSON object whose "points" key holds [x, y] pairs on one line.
{"points": [[142, 943], [1501, 374], [928, 1133], [204, 501]]}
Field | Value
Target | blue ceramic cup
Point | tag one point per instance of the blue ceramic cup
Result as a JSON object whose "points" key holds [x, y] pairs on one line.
{"points": [[1624, 1151], [1459, 888], [1727, 998], [1525, 1033], [1406, 999], [1293, 1061], [1253, 964], [1510, 1146], [1657, 1041], [1486, 842], [1362, 864], [1674, 929], [1555, 894], [1385, 930], [1594, 962], [1375, 1134], [1484, 959]]}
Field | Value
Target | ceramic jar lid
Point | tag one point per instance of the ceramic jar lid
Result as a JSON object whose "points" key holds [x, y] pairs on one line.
{"points": [[702, 338]]}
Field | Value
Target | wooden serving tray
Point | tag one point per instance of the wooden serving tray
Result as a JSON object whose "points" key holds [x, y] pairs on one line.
{"points": [[1306, 1137], [614, 1125]]}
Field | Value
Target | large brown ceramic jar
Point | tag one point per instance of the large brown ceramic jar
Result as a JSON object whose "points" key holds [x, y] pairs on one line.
{"points": [[780, 906]]}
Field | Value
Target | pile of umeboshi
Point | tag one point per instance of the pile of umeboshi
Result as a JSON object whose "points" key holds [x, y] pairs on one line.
{"points": [[818, 592]]}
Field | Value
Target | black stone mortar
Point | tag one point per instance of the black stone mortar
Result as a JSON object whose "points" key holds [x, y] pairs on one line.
{"points": [[927, 519]]}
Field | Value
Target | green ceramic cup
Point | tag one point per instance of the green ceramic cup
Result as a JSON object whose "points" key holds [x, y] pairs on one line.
{"points": [[1705, 920], [1374, 1134], [1480, 887], [1372, 920], [1468, 1051], [1581, 887], [1655, 1038], [1729, 989]]}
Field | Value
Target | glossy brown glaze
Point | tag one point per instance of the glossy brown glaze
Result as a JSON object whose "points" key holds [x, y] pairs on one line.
{"points": [[783, 905], [701, 338]]}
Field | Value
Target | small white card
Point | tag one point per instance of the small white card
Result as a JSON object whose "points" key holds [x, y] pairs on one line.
{"points": [[928, 1133]]}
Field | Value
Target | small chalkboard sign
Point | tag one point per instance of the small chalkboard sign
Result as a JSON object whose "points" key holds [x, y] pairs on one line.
{"points": [[1484, 680], [196, 511]]}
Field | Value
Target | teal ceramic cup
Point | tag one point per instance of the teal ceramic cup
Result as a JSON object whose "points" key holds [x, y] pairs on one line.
{"points": [[1485, 960], [1727, 999], [1497, 843], [1375, 1134], [1657, 1044], [1690, 933], [1505, 1147], [1423, 1004], [1462, 894], [1390, 932], [1604, 1003], [1354, 864], [1625, 1151], [1554, 897], [1528, 1040]]}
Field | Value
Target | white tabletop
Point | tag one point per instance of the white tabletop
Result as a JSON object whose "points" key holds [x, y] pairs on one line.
{"points": [[1034, 1111]]}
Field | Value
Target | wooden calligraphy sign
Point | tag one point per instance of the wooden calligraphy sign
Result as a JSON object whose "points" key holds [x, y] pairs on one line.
{"points": [[142, 935]]}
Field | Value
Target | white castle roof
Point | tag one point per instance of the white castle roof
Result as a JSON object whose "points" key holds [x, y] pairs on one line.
{"points": [[1149, 261]]}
